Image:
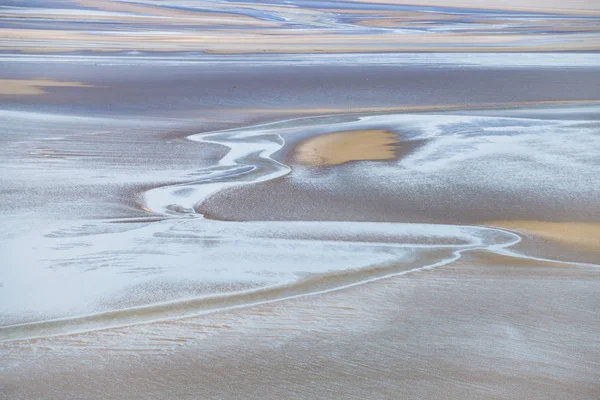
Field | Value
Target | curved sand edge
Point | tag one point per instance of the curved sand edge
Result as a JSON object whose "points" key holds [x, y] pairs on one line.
{"points": [[341, 147], [580, 235]]}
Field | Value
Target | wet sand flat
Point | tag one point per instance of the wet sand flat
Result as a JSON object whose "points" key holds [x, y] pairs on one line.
{"points": [[300, 27], [225, 88], [304, 200], [432, 326], [463, 332]]}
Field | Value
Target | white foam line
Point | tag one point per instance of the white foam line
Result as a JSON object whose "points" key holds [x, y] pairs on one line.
{"points": [[431, 60], [456, 255], [168, 200], [549, 260]]}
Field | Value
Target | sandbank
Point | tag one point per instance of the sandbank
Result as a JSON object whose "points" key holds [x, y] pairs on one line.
{"points": [[341, 147]]}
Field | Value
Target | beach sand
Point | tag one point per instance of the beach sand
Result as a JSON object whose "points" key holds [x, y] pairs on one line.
{"points": [[341, 147]]}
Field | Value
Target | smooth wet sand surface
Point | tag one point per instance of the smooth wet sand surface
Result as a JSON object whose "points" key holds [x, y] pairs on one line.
{"points": [[300, 27], [466, 331], [186, 217], [488, 325]]}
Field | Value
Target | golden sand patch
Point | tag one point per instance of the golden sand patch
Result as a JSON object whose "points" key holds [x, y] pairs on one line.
{"points": [[33, 86], [580, 235], [341, 147]]}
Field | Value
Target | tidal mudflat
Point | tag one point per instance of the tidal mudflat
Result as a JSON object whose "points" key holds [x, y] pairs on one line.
{"points": [[353, 199]]}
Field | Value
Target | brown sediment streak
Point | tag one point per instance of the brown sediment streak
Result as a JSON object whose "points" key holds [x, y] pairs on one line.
{"points": [[157, 10], [143, 9], [578, 7], [305, 49], [414, 109], [579, 235], [33, 86], [341, 147], [300, 41], [227, 30], [142, 13]]}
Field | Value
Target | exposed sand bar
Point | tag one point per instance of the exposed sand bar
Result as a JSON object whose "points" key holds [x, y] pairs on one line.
{"points": [[341, 147], [33, 86]]}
